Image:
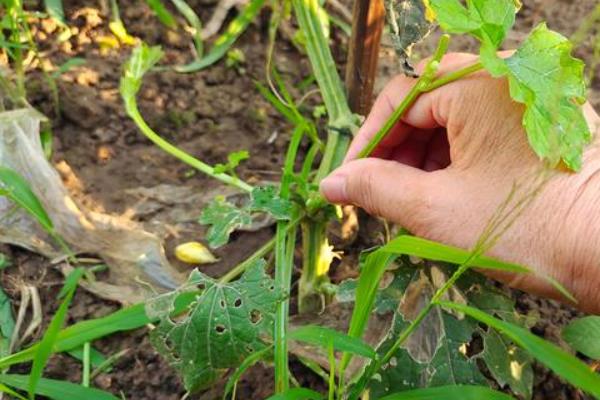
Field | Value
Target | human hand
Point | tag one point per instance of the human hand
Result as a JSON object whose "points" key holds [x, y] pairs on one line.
{"points": [[446, 168]]}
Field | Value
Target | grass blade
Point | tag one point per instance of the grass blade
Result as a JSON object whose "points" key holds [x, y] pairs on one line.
{"points": [[74, 336], [227, 39], [414, 246], [48, 341], [324, 337], [567, 366], [195, 24], [164, 16], [7, 390], [244, 366], [450, 393], [584, 336], [55, 10], [17, 189], [297, 394], [57, 390]]}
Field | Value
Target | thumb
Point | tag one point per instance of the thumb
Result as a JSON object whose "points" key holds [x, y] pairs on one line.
{"points": [[394, 191]]}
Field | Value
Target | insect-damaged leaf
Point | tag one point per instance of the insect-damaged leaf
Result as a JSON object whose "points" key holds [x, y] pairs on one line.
{"points": [[410, 21], [225, 217], [225, 324], [549, 81]]}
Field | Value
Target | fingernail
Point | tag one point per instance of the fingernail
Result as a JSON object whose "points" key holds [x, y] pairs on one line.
{"points": [[334, 188]]}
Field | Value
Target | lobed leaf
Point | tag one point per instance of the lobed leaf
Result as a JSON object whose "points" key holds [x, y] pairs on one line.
{"points": [[584, 336], [225, 324], [567, 366], [223, 218]]}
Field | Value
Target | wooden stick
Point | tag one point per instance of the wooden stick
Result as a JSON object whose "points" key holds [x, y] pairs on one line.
{"points": [[363, 53]]}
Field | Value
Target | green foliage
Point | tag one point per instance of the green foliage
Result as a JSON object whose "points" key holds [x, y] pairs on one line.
{"points": [[569, 367], [142, 59], [55, 10], [225, 217], [56, 390], [46, 346], [76, 335], [325, 337], [542, 75], [261, 355], [233, 161], [459, 392], [164, 15], [227, 39], [225, 324], [297, 394], [7, 323], [17, 189], [584, 336]]}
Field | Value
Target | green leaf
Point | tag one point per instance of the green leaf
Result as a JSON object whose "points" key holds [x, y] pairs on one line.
{"points": [[46, 346], [76, 335], [7, 323], [223, 218], [489, 21], [143, 58], [227, 39], [56, 390], [195, 24], [96, 358], [297, 394], [324, 337], [550, 83], [164, 16], [584, 336], [264, 354], [233, 161], [7, 390], [567, 366], [71, 282], [460, 392], [266, 199], [226, 324], [17, 189], [509, 365], [68, 65], [55, 10]]}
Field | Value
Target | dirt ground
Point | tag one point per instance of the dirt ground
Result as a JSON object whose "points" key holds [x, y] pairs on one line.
{"points": [[209, 114]]}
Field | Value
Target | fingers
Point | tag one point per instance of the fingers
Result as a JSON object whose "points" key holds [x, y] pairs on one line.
{"points": [[421, 116], [389, 189]]}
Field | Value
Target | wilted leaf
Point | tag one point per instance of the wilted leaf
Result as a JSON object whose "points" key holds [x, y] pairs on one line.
{"points": [[410, 21], [584, 336], [225, 324]]}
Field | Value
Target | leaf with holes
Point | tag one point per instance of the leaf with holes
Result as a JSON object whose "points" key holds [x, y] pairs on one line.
{"points": [[226, 324]]}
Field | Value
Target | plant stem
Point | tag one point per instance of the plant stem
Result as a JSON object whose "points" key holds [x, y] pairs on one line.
{"points": [[454, 76], [134, 113], [285, 242], [241, 267], [331, 354], [420, 87]]}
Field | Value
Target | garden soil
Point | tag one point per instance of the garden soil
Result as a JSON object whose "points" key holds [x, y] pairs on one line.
{"points": [[109, 166]]}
